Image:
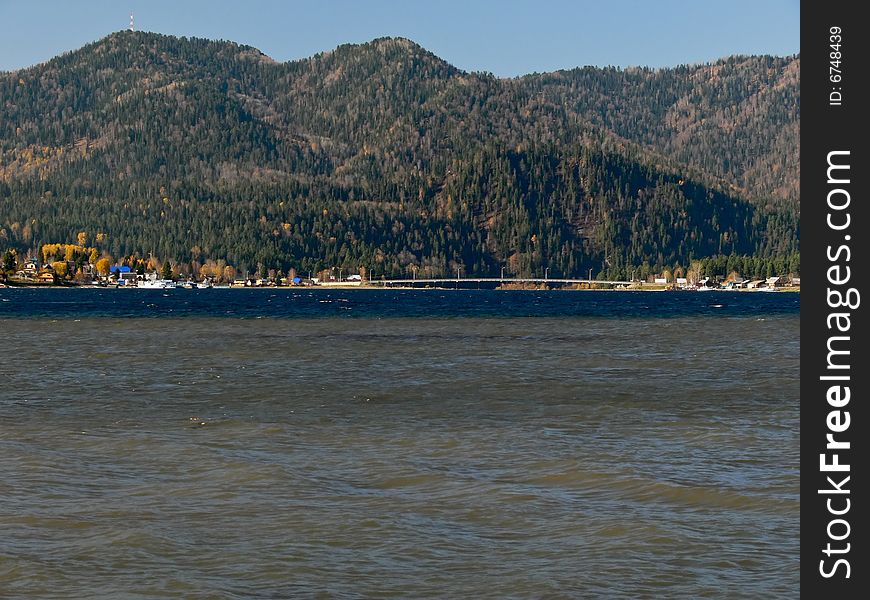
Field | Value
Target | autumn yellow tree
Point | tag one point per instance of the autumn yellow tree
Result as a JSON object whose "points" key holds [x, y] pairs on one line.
{"points": [[103, 266], [60, 268], [82, 238], [50, 252]]}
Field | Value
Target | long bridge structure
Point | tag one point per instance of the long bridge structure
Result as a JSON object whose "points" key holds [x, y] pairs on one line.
{"points": [[459, 281]]}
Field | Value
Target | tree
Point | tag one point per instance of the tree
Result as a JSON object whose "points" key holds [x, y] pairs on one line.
{"points": [[104, 266], [206, 270], [60, 268], [693, 274], [49, 252], [166, 271], [10, 260]]}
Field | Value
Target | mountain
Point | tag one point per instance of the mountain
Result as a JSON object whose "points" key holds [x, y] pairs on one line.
{"points": [[383, 155]]}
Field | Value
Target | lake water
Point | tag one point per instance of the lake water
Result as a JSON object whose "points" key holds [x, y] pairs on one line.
{"points": [[387, 443]]}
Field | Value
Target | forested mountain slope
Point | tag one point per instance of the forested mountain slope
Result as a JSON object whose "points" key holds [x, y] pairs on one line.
{"points": [[383, 155]]}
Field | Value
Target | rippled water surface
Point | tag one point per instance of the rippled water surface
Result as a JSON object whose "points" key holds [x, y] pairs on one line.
{"points": [[586, 445]]}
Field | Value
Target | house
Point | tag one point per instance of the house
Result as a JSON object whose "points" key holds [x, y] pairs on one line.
{"points": [[47, 277], [31, 267], [660, 280], [755, 284], [775, 282], [796, 281], [118, 270], [127, 278]]}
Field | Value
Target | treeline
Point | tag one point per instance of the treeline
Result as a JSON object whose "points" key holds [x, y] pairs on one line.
{"points": [[70, 264], [524, 211], [383, 156]]}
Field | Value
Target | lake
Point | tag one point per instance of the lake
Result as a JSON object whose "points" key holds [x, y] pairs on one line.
{"points": [[398, 443]]}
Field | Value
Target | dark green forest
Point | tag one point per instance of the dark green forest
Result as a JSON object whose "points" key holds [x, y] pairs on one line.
{"points": [[383, 156]]}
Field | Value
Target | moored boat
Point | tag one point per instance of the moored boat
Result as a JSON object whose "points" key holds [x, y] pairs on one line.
{"points": [[157, 284]]}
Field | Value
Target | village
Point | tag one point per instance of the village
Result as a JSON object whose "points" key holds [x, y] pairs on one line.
{"points": [[78, 273]]}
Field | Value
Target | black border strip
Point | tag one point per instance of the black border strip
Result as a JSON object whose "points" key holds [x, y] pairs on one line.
{"points": [[833, 131]]}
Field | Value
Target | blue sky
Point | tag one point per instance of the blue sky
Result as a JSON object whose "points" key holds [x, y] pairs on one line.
{"points": [[506, 37]]}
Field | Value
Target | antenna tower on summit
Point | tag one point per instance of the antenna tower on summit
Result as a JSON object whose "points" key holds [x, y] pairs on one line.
{"points": [[131, 23]]}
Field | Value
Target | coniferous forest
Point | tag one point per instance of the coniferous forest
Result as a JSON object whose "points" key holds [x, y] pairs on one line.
{"points": [[385, 157]]}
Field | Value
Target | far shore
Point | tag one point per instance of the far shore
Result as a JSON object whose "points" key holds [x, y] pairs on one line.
{"points": [[385, 285]]}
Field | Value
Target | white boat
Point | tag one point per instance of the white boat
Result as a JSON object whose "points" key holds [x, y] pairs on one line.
{"points": [[157, 284]]}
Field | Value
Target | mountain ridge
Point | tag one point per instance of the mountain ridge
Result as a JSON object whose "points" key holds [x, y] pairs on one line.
{"points": [[389, 123]]}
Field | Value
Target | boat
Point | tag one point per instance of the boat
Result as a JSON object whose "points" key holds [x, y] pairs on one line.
{"points": [[157, 284]]}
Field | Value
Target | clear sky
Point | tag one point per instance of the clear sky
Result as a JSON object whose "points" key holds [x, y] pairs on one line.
{"points": [[506, 37]]}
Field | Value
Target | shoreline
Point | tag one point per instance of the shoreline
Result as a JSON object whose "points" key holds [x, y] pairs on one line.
{"points": [[651, 288]]}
